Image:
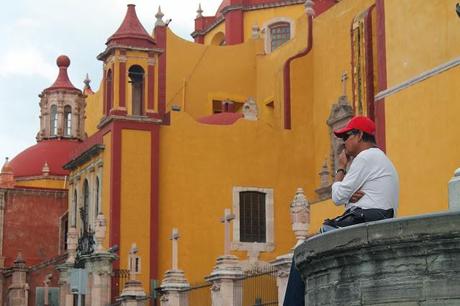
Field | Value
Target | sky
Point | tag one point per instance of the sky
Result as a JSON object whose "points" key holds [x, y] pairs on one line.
{"points": [[34, 33]]}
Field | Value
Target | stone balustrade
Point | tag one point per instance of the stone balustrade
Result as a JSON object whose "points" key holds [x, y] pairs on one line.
{"points": [[403, 261]]}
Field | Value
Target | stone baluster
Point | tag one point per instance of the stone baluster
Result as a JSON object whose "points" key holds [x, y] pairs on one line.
{"points": [[300, 216], [226, 278], [174, 286]]}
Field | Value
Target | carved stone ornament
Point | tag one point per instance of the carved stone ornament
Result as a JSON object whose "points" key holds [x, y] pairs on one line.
{"points": [[300, 216], [250, 109]]}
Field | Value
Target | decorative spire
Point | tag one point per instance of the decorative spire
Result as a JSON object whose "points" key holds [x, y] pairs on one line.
{"points": [[62, 80], [159, 16], [199, 11], [309, 4], [46, 169], [7, 175], [87, 88], [131, 33]]}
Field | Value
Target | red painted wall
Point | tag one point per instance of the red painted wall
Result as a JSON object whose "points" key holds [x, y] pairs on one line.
{"points": [[31, 224]]}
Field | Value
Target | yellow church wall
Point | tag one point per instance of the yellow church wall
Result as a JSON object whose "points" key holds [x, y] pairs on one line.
{"points": [[424, 151], [94, 109], [319, 211], [135, 199], [208, 39], [203, 73], [428, 32], [265, 16], [43, 183], [201, 164]]}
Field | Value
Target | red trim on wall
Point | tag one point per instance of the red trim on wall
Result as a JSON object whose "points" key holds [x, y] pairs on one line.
{"points": [[160, 36], [199, 39], [369, 63], [382, 74], [154, 200], [151, 86], [287, 75], [234, 32], [122, 82]]}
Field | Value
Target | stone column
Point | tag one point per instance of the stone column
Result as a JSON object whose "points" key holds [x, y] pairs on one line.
{"points": [[18, 291], [174, 285], [99, 267], [226, 278], [282, 264], [454, 191]]}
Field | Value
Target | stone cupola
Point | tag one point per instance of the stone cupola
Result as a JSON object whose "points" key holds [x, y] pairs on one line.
{"points": [[62, 107]]}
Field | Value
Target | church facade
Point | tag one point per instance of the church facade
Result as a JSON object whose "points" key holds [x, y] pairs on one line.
{"points": [[179, 131]]}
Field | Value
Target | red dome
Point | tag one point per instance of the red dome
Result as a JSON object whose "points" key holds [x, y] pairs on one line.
{"points": [[54, 152], [63, 61], [221, 118]]}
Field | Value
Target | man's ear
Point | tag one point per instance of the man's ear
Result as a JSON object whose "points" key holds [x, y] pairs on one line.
{"points": [[360, 135]]}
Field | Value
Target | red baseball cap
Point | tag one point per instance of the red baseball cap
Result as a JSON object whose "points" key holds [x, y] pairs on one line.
{"points": [[361, 123]]}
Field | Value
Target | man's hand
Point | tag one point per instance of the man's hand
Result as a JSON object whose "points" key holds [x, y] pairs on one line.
{"points": [[356, 196], [343, 160]]}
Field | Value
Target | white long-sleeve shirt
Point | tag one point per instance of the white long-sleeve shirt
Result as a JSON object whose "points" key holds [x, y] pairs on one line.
{"points": [[374, 174]]}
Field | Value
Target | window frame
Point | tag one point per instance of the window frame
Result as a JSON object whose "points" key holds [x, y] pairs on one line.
{"points": [[53, 120], [67, 121], [266, 28], [269, 244]]}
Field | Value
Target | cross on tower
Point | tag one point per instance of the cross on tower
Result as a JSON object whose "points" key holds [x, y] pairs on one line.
{"points": [[344, 83], [226, 220], [174, 237]]}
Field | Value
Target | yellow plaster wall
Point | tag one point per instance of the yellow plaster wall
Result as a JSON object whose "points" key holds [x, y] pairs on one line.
{"points": [[43, 183], [94, 109], [198, 172], [211, 34], [135, 199], [204, 72], [265, 16]]}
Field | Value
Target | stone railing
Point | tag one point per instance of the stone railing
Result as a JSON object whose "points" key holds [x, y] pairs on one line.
{"points": [[414, 261]]}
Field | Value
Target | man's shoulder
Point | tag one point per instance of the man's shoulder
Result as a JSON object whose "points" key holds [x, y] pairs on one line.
{"points": [[371, 153]]}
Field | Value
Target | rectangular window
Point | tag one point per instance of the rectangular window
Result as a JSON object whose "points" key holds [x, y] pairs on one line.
{"points": [[252, 216]]}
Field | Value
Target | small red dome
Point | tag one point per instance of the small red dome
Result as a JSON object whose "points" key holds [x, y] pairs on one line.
{"points": [[63, 61], [221, 118], [54, 152]]}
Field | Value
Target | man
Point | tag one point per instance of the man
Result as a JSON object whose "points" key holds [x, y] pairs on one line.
{"points": [[369, 189]]}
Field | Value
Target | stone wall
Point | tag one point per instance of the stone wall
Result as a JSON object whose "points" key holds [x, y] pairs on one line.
{"points": [[405, 261]]}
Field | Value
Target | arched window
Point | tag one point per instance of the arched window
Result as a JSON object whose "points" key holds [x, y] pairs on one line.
{"points": [[85, 214], [75, 209], [109, 92], [53, 120], [218, 39], [136, 75], [68, 121], [280, 33], [96, 206]]}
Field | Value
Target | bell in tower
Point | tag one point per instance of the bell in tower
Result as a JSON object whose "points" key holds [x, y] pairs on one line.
{"points": [[62, 107]]}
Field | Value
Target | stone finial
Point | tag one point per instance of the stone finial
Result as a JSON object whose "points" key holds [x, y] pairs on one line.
{"points": [[159, 16], [87, 81], [309, 4], [300, 216], [250, 109], [454, 191], [255, 31], [19, 262], [344, 79], [99, 232], [45, 169], [87, 88], [7, 175], [199, 11], [226, 220]]}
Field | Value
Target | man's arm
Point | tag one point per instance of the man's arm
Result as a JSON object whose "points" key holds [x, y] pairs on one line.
{"points": [[346, 187]]}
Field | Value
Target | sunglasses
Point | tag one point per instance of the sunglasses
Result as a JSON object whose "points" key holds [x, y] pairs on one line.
{"points": [[350, 133]]}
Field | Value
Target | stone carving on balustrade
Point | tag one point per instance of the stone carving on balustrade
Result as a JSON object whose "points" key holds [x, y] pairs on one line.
{"points": [[250, 109], [133, 293]]}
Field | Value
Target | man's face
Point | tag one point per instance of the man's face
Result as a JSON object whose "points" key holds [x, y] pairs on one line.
{"points": [[351, 141]]}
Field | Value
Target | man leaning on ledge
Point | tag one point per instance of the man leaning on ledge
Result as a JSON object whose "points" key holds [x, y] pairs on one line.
{"points": [[366, 182]]}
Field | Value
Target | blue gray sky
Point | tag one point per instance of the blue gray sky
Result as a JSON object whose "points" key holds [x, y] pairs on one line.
{"points": [[34, 33]]}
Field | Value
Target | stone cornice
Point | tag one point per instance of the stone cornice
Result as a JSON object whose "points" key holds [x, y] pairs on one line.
{"points": [[84, 157]]}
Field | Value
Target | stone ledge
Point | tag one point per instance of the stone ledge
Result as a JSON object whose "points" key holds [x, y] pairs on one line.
{"points": [[404, 260]]}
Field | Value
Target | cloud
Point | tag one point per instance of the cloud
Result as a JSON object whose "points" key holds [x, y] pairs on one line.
{"points": [[26, 62]]}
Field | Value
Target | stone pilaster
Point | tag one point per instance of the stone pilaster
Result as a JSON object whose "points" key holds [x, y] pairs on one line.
{"points": [[99, 267], [18, 291], [283, 265], [226, 279]]}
